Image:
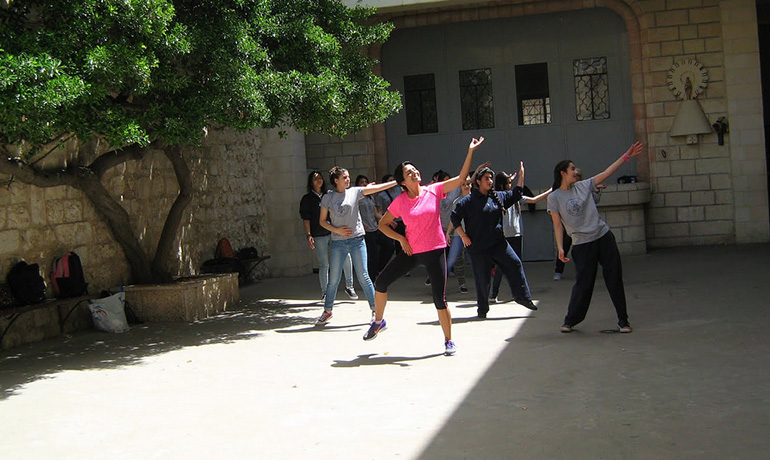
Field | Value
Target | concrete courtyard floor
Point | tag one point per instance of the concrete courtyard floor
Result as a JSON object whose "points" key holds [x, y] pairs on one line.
{"points": [[261, 381]]}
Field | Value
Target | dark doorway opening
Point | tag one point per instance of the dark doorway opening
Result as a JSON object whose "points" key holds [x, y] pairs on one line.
{"points": [[763, 22]]}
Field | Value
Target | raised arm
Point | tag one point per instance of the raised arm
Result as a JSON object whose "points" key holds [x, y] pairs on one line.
{"points": [[634, 150], [376, 188], [536, 198], [458, 180]]}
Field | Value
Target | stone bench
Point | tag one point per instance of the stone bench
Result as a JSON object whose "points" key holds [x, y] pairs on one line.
{"points": [[49, 318]]}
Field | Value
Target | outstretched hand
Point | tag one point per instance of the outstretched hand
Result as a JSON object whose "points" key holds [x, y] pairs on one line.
{"points": [[476, 142], [479, 168], [635, 149]]}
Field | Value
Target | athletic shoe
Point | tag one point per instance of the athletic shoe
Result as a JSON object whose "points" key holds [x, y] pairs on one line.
{"points": [[463, 289], [493, 299], [351, 293], [324, 318], [323, 298], [566, 328], [527, 303], [374, 317], [450, 348], [625, 328], [375, 329], [556, 276], [427, 281]]}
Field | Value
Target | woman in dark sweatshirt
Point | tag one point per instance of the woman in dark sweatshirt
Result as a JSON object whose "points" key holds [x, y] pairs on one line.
{"points": [[483, 237]]}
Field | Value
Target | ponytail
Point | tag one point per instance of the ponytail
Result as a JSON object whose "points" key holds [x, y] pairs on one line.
{"points": [[496, 199], [561, 166]]}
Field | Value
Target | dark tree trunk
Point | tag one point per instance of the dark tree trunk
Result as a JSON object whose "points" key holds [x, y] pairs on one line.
{"points": [[88, 180]]}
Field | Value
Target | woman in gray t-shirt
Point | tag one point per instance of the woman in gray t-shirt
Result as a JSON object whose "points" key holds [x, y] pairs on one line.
{"points": [[340, 206], [573, 209]]}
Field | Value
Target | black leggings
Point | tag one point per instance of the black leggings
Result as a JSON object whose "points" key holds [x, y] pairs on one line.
{"points": [[434, 261]]}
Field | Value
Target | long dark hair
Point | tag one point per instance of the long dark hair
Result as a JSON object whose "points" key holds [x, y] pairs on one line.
{"points": [[398, 174], [501, 181], [492, 192], [561, 166], [358, 179], [310, 181]]}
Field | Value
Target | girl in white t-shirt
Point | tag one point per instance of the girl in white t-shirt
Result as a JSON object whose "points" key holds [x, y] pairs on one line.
{"points": [[340, 206], [573, 208]]}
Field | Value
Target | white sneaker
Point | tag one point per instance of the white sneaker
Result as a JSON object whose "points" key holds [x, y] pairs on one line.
{"points": [[556, 276], [493, 300]]}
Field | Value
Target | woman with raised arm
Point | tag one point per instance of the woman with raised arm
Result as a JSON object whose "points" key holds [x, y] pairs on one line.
{"points": [[340, 207], [424, 243], [318, 238], [512, 228], [482, 212], [572, 208]]}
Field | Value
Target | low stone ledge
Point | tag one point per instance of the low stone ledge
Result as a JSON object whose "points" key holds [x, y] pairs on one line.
{"points": [[187, 299]]}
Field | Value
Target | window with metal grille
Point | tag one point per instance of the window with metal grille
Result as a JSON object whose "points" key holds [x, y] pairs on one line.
{"points": [[476, 99], [532, 94], [592, 89], [420, 102]]}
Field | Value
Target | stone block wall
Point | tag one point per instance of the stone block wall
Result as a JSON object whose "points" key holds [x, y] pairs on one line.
{"points": [[701, 193], [39, 224], [354, 152], [706, 193]]}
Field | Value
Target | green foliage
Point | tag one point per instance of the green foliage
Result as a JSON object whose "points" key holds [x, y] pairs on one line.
{"points": [[136, 70]]}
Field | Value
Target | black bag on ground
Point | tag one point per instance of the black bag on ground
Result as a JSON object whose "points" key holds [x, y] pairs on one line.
{"points": [[26, 283], [249, 252], [222, 265]]}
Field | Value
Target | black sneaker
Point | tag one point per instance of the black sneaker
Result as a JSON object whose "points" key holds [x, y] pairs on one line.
{"points": [[427, 281], [463, 289], [375, 329], [527, 303]]}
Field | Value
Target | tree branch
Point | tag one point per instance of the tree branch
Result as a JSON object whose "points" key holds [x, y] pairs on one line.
{"points": [[119, 156], [165, 247], [43, 178]]}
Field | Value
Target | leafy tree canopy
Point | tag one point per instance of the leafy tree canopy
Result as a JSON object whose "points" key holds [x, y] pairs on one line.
{"points": [[134, 71]]}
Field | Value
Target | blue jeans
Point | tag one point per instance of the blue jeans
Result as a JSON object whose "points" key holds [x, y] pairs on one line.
{"points": [[456, 259], [355, 249], [322, 253]]}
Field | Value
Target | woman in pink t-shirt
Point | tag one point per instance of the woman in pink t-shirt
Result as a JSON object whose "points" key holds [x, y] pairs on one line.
{"points": [[424, 244]]}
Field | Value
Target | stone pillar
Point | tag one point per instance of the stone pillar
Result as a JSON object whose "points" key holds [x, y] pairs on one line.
{"points": [[285, 180]]}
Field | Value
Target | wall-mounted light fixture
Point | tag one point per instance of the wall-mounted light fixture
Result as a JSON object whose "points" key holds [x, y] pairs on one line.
{"points": [[687, 79]]}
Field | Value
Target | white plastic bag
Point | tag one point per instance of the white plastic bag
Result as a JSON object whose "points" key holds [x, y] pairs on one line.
{"points": [[109, 313]]}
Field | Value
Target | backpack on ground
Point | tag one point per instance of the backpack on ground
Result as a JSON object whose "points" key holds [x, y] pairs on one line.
{"points": [[246, 253], [67, 277], [224, 250], [26, 284]]}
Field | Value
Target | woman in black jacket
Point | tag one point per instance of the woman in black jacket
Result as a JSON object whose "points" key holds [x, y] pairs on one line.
{"points": [[482, 211]]}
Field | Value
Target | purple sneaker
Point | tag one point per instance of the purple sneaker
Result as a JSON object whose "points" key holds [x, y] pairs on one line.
{"points": [[375, 329]]}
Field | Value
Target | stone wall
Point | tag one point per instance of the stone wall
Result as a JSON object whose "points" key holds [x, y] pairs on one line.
{"points": [[701, 193], [39, 224]]}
